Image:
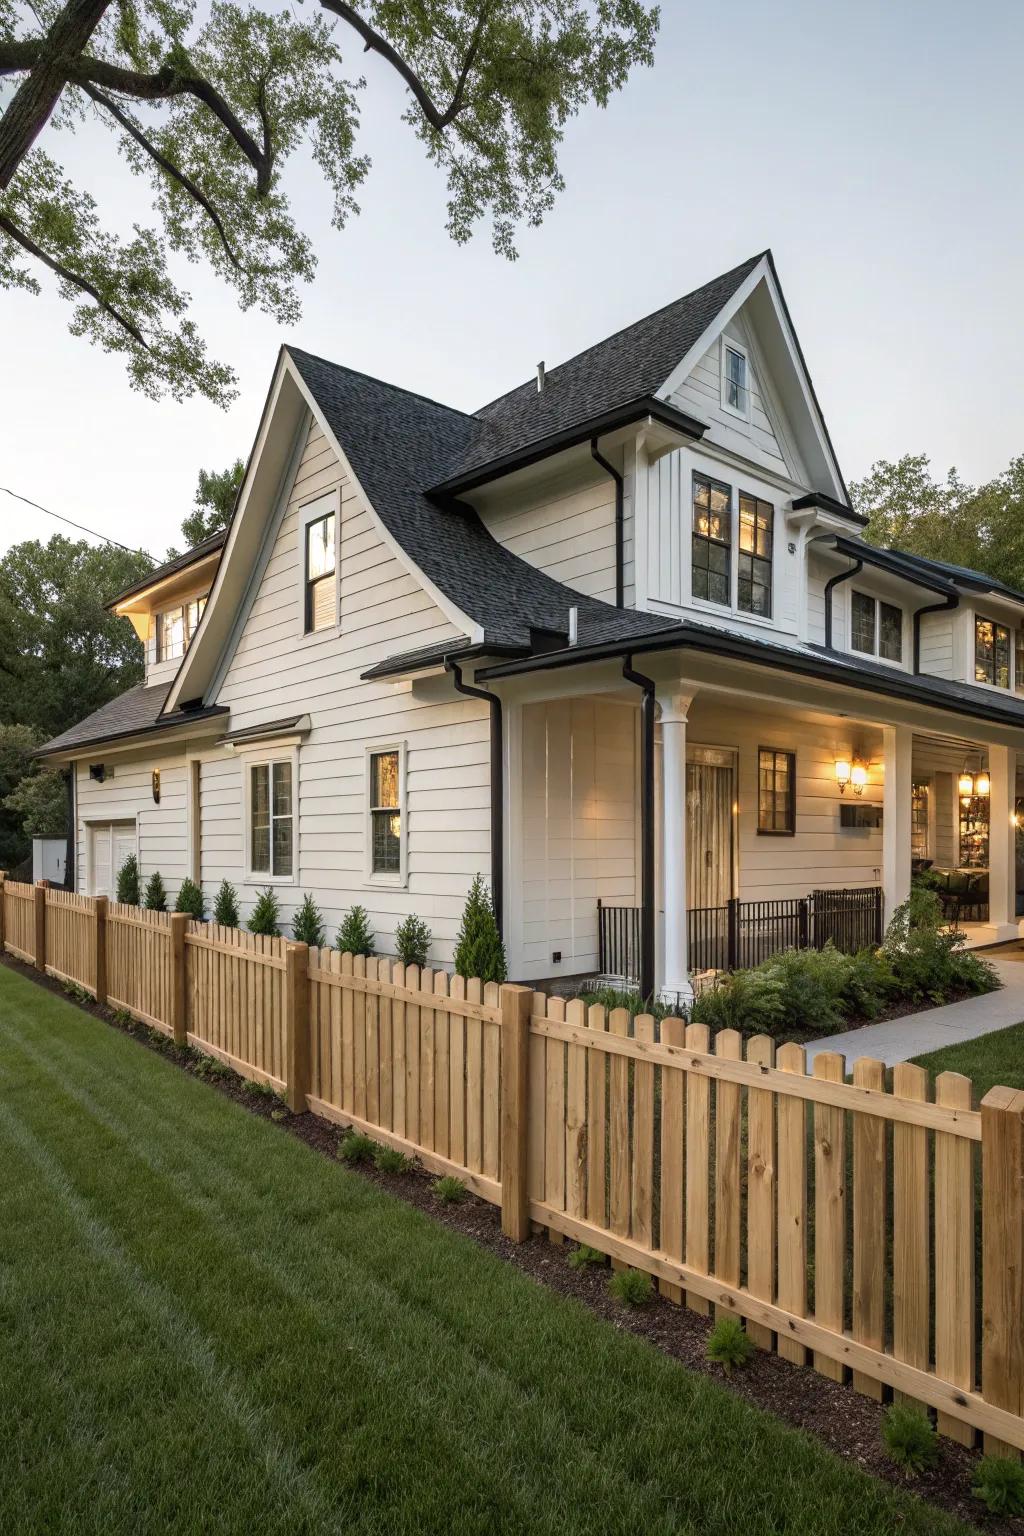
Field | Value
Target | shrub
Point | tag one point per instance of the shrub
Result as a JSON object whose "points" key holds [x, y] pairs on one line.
{"points": [[999, 1484], [190, 900], [870, 984], [308, 924], [928, 960], [266, 915], [412, 940], [225, 908], [355, 936], [750, 1001], [584, 1255], [909, 1437], [615, 997], [390, 1160], [478, 949], [258, 1090], [155, 899], [729, 1344], [128, 881], [632, 1287], [812, 983], [356, 1148], [450, 1190]]}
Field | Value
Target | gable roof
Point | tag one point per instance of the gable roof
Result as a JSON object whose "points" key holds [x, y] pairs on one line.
{"points": [[171, 567], [130, 714]]}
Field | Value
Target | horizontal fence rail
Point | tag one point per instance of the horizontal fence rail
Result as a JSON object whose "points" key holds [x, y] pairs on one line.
{"points": [[862, 1228]]}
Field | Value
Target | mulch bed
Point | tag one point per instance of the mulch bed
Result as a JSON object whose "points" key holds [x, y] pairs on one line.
{"points": [[843, 1420]]}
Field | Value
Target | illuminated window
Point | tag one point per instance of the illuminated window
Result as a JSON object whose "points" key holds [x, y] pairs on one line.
{"points": [[386, 831], [320, 599], [712, 540], [754, 591], [991, 653], [876, 628]]}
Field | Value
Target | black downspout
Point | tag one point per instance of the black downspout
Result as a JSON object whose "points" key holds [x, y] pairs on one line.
{"points": [[952, 601], [834, 581], [497, 788], [620, 523], [646, 826], [70, 852]]}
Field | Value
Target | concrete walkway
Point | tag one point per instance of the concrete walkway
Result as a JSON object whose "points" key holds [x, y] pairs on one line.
{"points": [[914, 1034]]}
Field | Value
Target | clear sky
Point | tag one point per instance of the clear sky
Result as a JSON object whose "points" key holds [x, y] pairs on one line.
{"points": [[875, 147]]}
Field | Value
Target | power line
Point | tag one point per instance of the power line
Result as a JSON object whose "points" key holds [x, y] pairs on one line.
{"points": [[80, 526]]}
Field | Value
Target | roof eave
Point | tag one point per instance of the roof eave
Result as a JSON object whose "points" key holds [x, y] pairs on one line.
{"points": [[168, 724]]}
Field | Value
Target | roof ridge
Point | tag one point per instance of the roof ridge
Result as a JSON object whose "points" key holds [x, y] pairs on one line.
{"points": [[681, 298], [358, 373]]}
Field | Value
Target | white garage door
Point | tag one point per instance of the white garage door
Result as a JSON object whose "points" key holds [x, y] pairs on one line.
{"points": [[110, 843]]}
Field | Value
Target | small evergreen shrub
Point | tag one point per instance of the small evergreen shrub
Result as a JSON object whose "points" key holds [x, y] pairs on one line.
{"points": [[258, 1090], [729, 1344], [632, 1287], [583, 1256], [750, 1001], [225, 907], [266, 915], [128, 881], [190, 900], [356, 1148], [308, 924], [478, 949], [355, 936], [155, 899], [928, 959], [390, 1160], [412, 941], [909, 1437], [999, 1484], [450, 1190]]}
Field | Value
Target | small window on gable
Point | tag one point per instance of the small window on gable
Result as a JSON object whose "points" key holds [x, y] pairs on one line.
{"points": [[876, 628], [735, 384], [319, 574]]}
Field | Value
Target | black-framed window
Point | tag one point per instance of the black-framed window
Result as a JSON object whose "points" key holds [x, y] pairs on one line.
{"points": [[385, 813], [319, 556], [712, 540], [174, 629], [754, 563], [1018, 660], [876, 628], [776, 792], [271, 819], [991, 652]]}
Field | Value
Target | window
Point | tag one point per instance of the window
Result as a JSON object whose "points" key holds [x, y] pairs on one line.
{"points": [[735, 393], [1018, 660], [271, 819], [919, 820], [876, 628], [320, 600], [776, 792], [991, 653], [974, 811], [174, 629], [712, 540], [754, 593], [385, 805]]}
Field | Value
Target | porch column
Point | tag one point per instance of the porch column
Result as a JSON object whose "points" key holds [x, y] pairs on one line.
{"points": [[897, 748], [1002, 842], [674, 972]]}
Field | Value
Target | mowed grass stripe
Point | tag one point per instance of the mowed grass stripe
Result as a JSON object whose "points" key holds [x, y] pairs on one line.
{"points": [[475, 1400]]}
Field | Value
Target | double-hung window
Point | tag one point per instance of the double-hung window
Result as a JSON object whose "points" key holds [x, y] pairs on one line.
{"points": [[776, 792], [386, 814], [712, 540], [175, 628], [272, 819], [754, 591], [714, 512], [321, 604], [735, 386], [876, 628], [991, 653]]}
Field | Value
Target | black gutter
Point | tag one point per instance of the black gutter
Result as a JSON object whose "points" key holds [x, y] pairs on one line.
{"points": [[889, 561], [399, 666], [70, 849], [647, 908], [620, 522], [829, 504], [497, 787], [830, 585], [952, 600], [569, 437]]}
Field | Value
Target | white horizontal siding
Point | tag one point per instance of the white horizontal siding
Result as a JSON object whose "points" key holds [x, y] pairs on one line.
{"points": [[126, 794], [564, 528], [937, 655]]}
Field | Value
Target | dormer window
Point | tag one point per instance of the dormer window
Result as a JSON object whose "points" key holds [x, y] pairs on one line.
{"points": [[991, 653], [712, 540], [174, 628], [735, 387], [876, 628]]}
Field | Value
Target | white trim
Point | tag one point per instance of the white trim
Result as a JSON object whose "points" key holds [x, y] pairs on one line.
{"points": [[885, 661], [370, 877], [323, 505], [727, 344], [92, 824], [731, 608], [266, 758]]}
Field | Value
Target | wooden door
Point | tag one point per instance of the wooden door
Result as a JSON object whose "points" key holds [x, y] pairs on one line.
{"points": [[710, 794]]}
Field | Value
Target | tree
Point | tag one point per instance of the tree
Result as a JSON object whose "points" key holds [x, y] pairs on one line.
{"points": [[308, 924], [478, 948], [413, 940], [210, 111], [355, 936], [190, 900], [266, 914], [40, 802], [61, 654], [214, 503], [225, 907], [32, 803], [128, 882], [155, 897]]}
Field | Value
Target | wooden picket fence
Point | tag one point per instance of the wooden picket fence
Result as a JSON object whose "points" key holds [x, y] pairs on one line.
{"points": [[855, 1228]]}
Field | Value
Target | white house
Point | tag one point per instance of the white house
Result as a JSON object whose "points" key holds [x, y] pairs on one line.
{"points": [[615, 640]]}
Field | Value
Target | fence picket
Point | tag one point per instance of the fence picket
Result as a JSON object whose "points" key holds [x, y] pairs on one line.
{"points": [[829, 1212], [761, 1187], [954, 1255], [642, 1223], [398, 1048], [698, 1166], [576, 1115], [618, 1131], [492, 1085], [727, 1165], [910, 1212], [869, 1222], [442, 1068], [457, 1074], [673, 1111], [597, 1123]]}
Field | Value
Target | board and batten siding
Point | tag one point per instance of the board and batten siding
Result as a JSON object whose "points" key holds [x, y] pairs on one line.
{"points": [[276, 671], [564, 527], [126, 794]]}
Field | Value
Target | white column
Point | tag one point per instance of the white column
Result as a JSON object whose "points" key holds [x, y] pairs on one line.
{"points": [[1002, 839], [897, 749], [674, 973]]}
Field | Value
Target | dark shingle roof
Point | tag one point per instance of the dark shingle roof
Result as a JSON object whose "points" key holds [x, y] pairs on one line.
{"points": [[960, 574], [129, 714], [171, 567]]}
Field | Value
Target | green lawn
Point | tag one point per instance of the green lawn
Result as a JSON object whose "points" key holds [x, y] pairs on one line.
{"points": [[207, 1327], [991, 1059]]}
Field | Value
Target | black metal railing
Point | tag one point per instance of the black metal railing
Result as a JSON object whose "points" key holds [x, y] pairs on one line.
{"points": [[743, 933]]}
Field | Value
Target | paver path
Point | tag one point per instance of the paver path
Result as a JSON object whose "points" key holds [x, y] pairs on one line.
{"points": [[914, 1034]]}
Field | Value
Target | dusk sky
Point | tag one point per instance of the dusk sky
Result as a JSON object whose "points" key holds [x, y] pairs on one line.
{"points": [[875, 148]]}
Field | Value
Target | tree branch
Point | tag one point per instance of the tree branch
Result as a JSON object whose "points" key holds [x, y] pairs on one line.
{"points": [[167, 166], [29, 109], [9, 228]]}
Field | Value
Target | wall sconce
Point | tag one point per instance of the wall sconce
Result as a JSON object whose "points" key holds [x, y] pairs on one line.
{"points": [[859, 777], [852, 772], [844, 770], [965, 785], [156, 786], [982, 783]]}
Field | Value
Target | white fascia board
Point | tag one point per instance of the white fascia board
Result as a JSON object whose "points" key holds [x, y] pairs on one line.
{"points": [[684, 368]]}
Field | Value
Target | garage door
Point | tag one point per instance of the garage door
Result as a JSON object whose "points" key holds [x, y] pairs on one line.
{"points": [[110, 843]]}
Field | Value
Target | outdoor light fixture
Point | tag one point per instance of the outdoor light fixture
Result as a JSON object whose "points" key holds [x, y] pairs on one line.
{"points": [[859, 777], [982, 783], [965, 785], [156, 786], [843, 772], [851, 771]]}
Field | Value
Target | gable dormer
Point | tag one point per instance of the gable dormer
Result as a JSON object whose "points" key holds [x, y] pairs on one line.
{"points": [[165, 609]]}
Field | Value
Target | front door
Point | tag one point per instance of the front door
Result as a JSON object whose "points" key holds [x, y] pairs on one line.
{"points": [[710, 796]]}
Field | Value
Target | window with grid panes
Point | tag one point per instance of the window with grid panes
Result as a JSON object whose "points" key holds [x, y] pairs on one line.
{"points": [[876, 628], [320, 598], [776, 792], [271, 819], [385, 814], [991, 653], [919, 821], [754, 573], [712, 540]]}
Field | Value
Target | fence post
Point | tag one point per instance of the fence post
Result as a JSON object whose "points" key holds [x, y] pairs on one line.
{"points": [[516, 1003], [99, 910], [1002, 1237], [40, 943], [804, 924], [296, 1026], [3, 905], [179, 1021], [732, 939]]}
